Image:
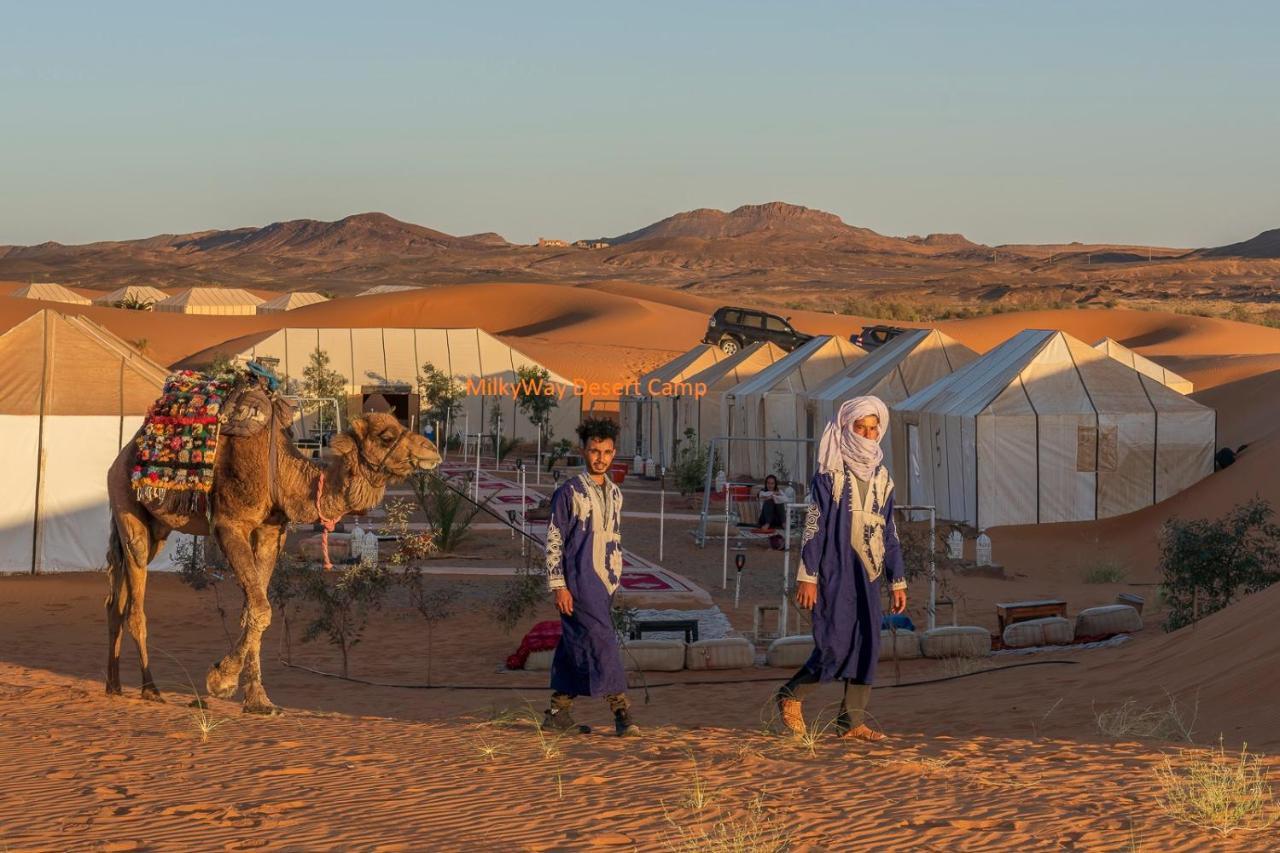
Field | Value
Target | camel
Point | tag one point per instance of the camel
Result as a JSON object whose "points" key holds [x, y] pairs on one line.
{"points": [[250, 511]]}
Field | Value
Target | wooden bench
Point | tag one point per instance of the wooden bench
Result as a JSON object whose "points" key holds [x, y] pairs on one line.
{"points": [[1010, 612]]}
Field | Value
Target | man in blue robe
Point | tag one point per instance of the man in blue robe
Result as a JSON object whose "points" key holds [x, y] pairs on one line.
{"points": [[849, 543], [584, 568]]}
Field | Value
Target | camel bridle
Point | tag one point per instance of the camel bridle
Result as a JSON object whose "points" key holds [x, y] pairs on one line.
{"points": [[328, 524]]}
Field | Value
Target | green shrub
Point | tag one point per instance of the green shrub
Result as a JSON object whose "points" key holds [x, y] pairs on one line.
{"points": [[1207, 563]]}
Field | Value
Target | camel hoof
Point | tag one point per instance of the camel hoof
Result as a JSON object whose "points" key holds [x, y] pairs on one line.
{"points": [[267, 710], [151, 694], [219, 685]]}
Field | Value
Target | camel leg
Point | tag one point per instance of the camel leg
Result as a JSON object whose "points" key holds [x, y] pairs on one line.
{"points": [[135, 552], [267, 541], [117, 604], [233, 538]]}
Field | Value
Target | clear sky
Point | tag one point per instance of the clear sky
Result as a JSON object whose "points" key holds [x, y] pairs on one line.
{"points": [[1007, 121]]}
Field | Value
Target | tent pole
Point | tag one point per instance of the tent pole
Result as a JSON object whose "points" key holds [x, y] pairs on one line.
{"points": [[44, 393]]}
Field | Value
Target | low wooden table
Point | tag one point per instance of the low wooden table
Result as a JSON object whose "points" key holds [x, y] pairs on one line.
{"points": [[1010, 612], [688, 626]]}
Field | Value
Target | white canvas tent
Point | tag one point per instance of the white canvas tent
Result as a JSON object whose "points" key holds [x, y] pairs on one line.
{"points": [[1045, 428], [47, 291], [138, 293], [648, 418], [394, 357], [764, 407], [210, 300], [701, 413], [893, 372], [388, 288], [289, 301], [71, 395], [1144, 365]]}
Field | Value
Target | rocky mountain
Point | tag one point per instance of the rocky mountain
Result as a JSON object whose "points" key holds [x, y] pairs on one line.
{"points": [[1265, 245]]}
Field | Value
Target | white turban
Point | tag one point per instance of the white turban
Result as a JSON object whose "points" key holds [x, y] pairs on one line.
{"points": [[841, 446]]}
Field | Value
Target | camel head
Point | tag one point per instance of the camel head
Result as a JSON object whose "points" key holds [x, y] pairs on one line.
{"points": [[383, 449]]}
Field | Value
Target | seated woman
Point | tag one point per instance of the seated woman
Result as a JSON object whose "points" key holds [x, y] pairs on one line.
{"points": [[773, 505]]}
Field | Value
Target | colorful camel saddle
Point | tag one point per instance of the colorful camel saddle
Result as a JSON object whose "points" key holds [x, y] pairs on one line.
{"points": [[178, 445]]}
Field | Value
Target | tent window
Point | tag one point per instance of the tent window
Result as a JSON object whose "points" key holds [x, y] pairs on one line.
{"points": [[1086, 449], [1108, 448]]}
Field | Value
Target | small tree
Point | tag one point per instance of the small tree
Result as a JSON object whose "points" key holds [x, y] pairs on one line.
{"points": [[289, 583], [344, 605], [201, 566], [434, 603], [134, 303], [319, 381], [411, 545], [521, 594], [221, 365], [690, 472], [1208, 563], [440, 395], [536, 396]]}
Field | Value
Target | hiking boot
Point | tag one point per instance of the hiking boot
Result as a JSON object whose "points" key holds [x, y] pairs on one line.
{"points": [[623, 725], [559, 720], [791, 713]]}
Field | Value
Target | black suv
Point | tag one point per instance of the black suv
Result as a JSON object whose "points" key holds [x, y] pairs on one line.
{"points": [[874, 336], [733, 329]]}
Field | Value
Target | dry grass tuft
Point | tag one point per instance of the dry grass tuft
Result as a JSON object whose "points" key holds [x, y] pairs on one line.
{"points": [[1130, 720], [203, 719], [753, 830], [1106, 572], [1217, 792], [961, 665]]}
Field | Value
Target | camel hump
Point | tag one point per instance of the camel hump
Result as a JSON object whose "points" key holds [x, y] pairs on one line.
{"points": [[248, 411]]}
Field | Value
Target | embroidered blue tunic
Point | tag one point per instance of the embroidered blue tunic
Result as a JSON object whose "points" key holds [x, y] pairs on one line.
{"points": [[584, 555], [848, 545]]}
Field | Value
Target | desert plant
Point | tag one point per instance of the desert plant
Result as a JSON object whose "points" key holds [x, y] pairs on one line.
{"points": [[1217, 792], [1207, 563], [558, 451], [690, 470], [505, 446], [411, 545], [780, 467], [134, 303], [536, 396], [202, 567], [440, 395], [344, 604], [322, 383], [449, 512], [699, 794], [1131, 720], [288, 585], [1106, 572], [520, 595], [434, 603], [750, 830]]}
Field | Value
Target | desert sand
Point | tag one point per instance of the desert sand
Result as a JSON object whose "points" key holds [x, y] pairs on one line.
{"points": [[1001, 759]]}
